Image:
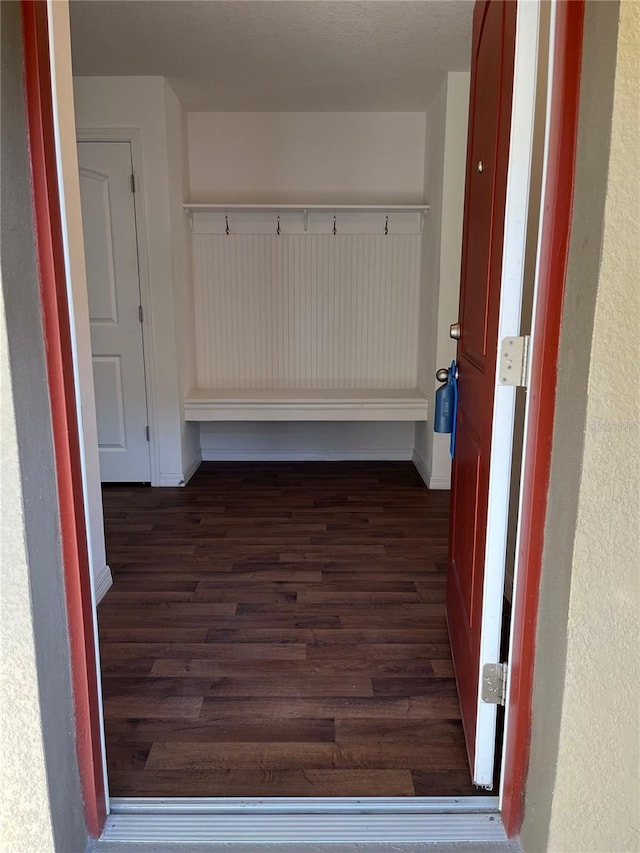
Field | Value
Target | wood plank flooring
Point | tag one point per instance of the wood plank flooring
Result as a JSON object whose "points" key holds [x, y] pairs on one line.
{"points": [[278, 629]]}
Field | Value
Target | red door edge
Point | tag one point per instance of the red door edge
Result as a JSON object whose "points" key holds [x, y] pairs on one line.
{"points": [[556, 226], [59, 359]]}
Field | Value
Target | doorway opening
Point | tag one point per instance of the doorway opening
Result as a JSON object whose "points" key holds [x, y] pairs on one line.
{"points": [[284, 309], [334, 232]]}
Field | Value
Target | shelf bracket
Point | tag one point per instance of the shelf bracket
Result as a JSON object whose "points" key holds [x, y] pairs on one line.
{"points": [[305, 220], [421, 221]]}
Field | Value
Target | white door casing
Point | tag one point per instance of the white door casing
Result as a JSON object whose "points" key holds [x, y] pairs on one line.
{"points": [[111, 252]]}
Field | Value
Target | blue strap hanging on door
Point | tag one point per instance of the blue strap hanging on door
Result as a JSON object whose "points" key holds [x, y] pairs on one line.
{"points": [[453, 373], [447, 406]]}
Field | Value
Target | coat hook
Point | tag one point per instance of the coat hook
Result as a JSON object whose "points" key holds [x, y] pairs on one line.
{"points": [[227, 230], [278, 228], [335, 230], [386, 225]]}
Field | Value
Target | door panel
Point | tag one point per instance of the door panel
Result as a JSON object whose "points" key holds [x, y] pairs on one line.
{"points": [[466, 488], [111, 253], [107, 378], [481, 168], [494, 30], [101, 280]]}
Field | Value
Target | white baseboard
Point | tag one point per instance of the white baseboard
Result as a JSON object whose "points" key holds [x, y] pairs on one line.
{"points": [[171, 480], [440, 483], [102, 583], [398, 455], [421, 467], [430, 481], [191, 469]]}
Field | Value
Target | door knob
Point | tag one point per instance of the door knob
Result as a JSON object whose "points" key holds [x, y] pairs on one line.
{"points": [[442, 374], [455, 331]]}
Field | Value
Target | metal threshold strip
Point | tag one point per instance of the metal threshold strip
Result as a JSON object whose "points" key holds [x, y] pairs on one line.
{"points": [[300, 820]]}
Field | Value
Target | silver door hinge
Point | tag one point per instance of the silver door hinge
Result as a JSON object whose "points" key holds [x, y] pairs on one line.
{"points": [[513, 364], [147, 433], [494, 683], [140, 314], [133, 183]]}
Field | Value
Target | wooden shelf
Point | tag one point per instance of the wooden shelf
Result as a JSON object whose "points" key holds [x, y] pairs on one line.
{"points": [[306, 405], [201, 210], [325, 208]]}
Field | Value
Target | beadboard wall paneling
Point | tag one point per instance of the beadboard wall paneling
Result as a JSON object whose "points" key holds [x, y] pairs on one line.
{"points": [[306, 310]]}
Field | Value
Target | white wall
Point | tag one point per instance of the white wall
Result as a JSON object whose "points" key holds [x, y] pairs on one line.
{"points": [[178, 164], [445, 157], [307, 157], [141, 103], [317, 158], [308, 441]]}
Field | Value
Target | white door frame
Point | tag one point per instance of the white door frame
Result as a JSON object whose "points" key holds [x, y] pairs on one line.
{"points": [[266, 820], [134, 137]]}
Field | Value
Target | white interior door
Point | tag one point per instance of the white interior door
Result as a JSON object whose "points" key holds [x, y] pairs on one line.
{"points": [[111, 252]]}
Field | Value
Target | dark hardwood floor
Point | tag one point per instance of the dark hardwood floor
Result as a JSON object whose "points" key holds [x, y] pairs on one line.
{"points": [[278, 629]]}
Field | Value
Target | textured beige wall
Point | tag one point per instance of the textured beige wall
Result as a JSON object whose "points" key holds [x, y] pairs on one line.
{"points": [[598, 749], [582, 789], [41, 805], [25, 820]]}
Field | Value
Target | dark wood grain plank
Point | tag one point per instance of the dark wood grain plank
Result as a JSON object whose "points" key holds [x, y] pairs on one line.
{"points": [[418, 708], [219, 651], [296, 756], [353, 668], [324, 636], [152, 706], [262, 783], [396, 730], [226, 729]]}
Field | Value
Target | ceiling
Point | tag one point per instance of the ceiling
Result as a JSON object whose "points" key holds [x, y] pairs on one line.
{"points": [[278, 55]]}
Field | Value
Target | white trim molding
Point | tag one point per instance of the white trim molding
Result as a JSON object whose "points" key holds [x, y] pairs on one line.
{"points": [[431, 482], [171, 480], [443, 483], [421, 467], [306, 405], [191, 468], [401, 454], [359, 218], [102, 583]]}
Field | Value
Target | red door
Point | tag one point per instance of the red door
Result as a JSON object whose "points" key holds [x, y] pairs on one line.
{"points": [[494, 34]]}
